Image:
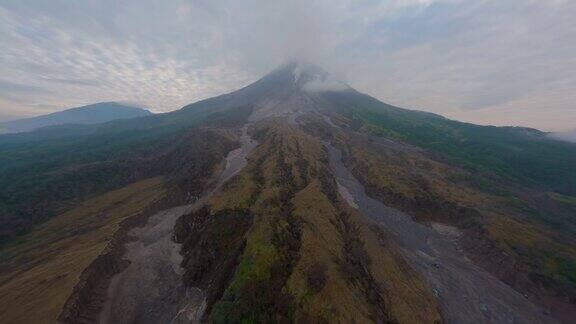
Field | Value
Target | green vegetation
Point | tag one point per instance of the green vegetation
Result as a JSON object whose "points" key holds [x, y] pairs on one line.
{"points": [[46, 172], [569, 200], [551, 259], [524, 155], [568, 269], [257, 292], [535, 228]]}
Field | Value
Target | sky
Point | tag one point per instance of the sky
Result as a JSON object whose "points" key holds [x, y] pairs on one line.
{"points": [[498, 62]]}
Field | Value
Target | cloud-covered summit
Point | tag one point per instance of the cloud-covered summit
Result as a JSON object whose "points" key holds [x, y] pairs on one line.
{"points": [[499, 62]]}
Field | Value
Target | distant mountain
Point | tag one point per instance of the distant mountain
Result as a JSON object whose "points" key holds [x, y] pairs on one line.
{"points": [[91, 114]]}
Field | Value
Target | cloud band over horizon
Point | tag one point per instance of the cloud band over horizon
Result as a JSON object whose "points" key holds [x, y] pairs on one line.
{"points": [[510, 62]]}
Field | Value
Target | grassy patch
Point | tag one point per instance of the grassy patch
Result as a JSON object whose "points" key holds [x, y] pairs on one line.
{"points": [[519, 154], [569, 200], [552, 261], [39, 271]]}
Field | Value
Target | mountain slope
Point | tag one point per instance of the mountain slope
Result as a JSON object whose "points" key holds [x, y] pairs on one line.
{"points": [[524, 155], [524, 237], [32, 269], [47, 171], [90, 114], [298, 199], [308, 255]]}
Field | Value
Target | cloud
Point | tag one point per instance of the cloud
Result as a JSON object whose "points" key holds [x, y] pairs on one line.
{"points": [[16, 92], [324, 84], [78, 82], [490, 62], [568, 136], [7, 87]]}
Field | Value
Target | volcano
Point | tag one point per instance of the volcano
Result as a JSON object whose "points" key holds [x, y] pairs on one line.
{"points": [[294, 199]]}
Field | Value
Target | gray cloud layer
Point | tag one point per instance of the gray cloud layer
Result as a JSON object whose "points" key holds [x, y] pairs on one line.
{"points": [[485, 61]]}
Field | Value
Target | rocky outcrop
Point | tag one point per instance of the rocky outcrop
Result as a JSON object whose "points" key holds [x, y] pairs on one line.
{"points": [[211, 247]]}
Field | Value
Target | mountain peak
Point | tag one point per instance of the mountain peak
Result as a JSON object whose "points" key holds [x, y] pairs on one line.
{"points": [[293, 86], [90, 114], [309, 77]]}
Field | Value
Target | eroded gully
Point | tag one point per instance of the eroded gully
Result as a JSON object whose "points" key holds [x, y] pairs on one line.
{"points": [[150, 289], [466, 293]]}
